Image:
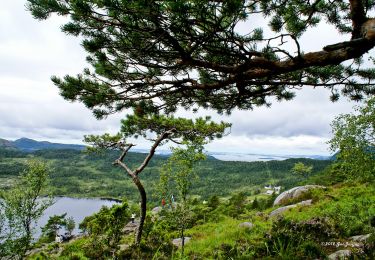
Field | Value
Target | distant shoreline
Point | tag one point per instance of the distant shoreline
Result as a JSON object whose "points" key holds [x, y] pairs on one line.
{"points": [[90, 198]]}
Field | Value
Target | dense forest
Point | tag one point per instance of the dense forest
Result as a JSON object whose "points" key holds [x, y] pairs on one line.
{"points": [[78, 174]]}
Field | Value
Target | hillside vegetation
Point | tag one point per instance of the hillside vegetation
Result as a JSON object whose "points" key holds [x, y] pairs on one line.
{"points": [[227, 216], [77, 174], [340, 218]]}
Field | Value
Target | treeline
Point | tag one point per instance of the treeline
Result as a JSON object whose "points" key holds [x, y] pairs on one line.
{"points": [[76, 173]]}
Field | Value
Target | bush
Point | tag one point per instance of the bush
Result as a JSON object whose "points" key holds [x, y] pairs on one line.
{"points": [[236, 205], [290, 239], [105, 230]]}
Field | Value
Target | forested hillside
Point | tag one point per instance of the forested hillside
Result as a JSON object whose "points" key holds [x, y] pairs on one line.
{"points": [[76, 173]]}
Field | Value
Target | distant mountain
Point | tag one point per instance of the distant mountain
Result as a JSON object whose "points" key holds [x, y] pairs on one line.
{"points": [[6, 144], [30, 145]]}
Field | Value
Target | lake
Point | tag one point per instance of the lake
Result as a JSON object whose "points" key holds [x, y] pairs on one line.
{"points": [[76, 208]]}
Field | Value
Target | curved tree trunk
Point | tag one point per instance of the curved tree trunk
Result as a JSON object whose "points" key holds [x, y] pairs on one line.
{"points": [[142, 217], [137, 181], [183, 241]]}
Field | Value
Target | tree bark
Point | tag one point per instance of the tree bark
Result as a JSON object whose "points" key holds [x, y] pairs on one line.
{"points": [[143, 196], [182, 241], [142, 216], [358, 16]]}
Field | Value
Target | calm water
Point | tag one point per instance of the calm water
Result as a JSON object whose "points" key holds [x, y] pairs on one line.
{"points": [[76, 208]]}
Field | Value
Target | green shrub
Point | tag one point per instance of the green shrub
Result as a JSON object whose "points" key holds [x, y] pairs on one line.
{"points": [[289, 239], [75, 249]]}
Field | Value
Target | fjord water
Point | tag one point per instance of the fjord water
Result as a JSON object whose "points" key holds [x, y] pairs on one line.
{"points": [[76, 208]]}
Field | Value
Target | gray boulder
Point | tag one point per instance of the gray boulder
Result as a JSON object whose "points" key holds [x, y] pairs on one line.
{"points": [[131, 227], [247, 225], [294, 193], [156, 210], [278, 211], [341, 254], [178, 241], [360, 238]]}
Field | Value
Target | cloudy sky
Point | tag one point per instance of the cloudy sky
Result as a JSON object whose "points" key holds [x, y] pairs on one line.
{"points": [[30, 106]]}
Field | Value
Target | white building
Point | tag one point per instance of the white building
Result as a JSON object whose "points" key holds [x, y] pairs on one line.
{"points": [[271, 190]]}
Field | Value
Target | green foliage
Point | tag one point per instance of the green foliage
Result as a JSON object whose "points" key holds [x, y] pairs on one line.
{"points": [[75, 250], [178, 172], [349, 207], [3, 234], [166, 128], [335, 215], [54, 224], [146, 51], [51, 229], [263, 203], [179, 218], [22, 206], [293, 240], [300, 168], [220, 238], [188, 130], [156, 243], [213, 202], [354, 137], [236, 204], [255, 204], [105, 229], [70, 225], [78, 174]]}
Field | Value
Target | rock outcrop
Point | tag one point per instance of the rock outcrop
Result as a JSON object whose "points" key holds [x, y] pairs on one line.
{"points": [[285, 208], [294, 194], [156, 210], [341, 254], [247, 225], [178, 241], [131, 227], [360, 238]]}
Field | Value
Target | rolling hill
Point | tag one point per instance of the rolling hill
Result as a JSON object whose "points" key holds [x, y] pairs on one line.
{"points": [[78, 174], [29, 145]]}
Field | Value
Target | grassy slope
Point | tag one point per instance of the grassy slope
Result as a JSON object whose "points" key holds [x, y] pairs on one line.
{"points": [[348, 207]]}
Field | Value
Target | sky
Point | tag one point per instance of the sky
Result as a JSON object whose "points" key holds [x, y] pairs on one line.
{"points": [[32, 51]]}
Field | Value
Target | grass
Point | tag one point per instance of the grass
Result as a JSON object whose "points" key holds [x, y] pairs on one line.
{"points": [[347, 206], [209, 237], [350, 206]]}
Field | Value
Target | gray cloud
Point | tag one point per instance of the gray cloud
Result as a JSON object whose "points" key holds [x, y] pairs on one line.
{"points": [[34, 49], [310, 113]]}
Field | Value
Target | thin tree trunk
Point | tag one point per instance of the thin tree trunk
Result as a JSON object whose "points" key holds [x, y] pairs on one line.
{"points": [[142, 217], [183, 241], [27, 226]]}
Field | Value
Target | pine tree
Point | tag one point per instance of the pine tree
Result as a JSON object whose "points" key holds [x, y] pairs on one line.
{"points": [[164, 128], [191, 53]]}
